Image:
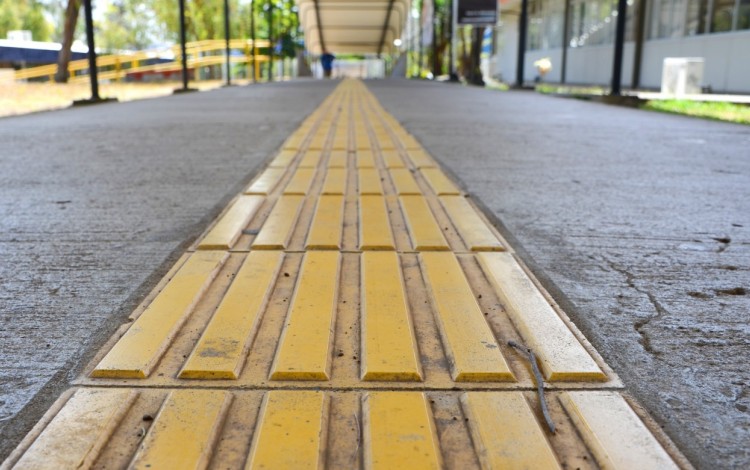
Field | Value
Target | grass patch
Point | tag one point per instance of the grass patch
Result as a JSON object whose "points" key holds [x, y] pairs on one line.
{"points": [[719, 111]]}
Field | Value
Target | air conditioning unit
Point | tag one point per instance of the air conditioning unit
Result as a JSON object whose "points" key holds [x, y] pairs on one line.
{"points": [[682, 76]]}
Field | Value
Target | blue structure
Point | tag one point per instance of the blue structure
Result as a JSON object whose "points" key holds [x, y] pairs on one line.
{"points": [[18, 53]]}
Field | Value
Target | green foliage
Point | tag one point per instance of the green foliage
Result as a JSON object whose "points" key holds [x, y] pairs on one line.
{"points": [[24, 14], [720, 111]]}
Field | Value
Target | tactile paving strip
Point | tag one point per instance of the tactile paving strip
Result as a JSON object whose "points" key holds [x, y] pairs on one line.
{"points": [[352, 308]]}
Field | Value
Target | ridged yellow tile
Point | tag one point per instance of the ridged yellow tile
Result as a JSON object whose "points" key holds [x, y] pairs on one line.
{"points": [[388, 344], [221, 350], [420, 159], [338, 159], [374, 224], [399, 432], [226, 231], [362, 141], [405, 183], [283, 159], [409, 142], [471, 227], [267, 181], [141, 347], [76, 434], [614, 433], [184, 431], [291, 433], [311, 159], [440, 183], [277, 228], [318, 141], [561, 355], [365, 159], [327, 225], [472, 350], [300, 182], [295, 141], [424, 231], [505, 432], [392, 159], [304, 351], [369, 182], [335, 182]]}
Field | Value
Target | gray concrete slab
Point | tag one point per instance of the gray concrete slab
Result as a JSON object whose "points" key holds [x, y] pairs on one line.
{"points": [[96, 203], [638, 222]]}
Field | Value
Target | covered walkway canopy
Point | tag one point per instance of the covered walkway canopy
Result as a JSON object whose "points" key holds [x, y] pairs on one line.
{"points": [[357, 27]]}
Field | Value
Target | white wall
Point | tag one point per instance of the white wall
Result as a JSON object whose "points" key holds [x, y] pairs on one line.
{"points": [[726, 55], [727, 60]]}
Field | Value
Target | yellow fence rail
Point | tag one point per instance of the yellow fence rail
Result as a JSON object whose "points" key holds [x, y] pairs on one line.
{"points": [[200, 54]]}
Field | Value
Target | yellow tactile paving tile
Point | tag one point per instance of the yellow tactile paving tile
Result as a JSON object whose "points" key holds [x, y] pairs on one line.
{"points": [[392, 159], [266, 182], [77, 433], [311, 159], [291, 433], [330, 331], [136, 353], [300, 182], [506, 433], [561, 355], [389, 350], [189, 421], [278, 227], [283, 159], [365, 159], [338, 159], [399, 432], [335, 182], [440, 183], [327, 225], [304, 348], [613, 431], [420, 159], [472, 349], [471, 228], [236, 429], [370, 182], [229, 227], [424, 230], [221, 350], [405, 183], [375, 228]]}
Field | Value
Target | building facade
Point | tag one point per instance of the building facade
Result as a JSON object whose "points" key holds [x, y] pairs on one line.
{"points": [[578, 37]]}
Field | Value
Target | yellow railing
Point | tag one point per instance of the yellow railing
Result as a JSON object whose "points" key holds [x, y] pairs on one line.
{"points": [[116, 66]]}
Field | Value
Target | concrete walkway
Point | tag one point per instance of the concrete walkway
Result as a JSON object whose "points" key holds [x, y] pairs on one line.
{"points": [[636, 222], [639, 223], [97, 203]]}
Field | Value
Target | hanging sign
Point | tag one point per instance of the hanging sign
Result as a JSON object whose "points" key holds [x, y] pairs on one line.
{"points": [[477, 12]]}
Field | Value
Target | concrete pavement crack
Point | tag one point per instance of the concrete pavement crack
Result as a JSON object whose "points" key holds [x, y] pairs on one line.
{"points": [[640, 325]]}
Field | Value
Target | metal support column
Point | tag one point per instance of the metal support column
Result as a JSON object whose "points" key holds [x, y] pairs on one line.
{"points": [[622, 8], [523, 22], [451, 46], [252, 37], [92, 50], [270, 40], [183, 46], [565, 42], [226, 39]]}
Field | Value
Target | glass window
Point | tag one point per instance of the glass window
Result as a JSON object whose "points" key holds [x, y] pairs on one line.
{"points": [[668, 18], [696, 17], [743, 15], [723, 16]]}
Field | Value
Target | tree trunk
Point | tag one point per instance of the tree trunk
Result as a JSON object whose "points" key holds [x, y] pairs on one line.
{"points": [[71, 18], [475, 73]]}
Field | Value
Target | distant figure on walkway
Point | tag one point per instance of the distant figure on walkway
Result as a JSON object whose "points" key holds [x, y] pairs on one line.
{"points": [[326, 60]]}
